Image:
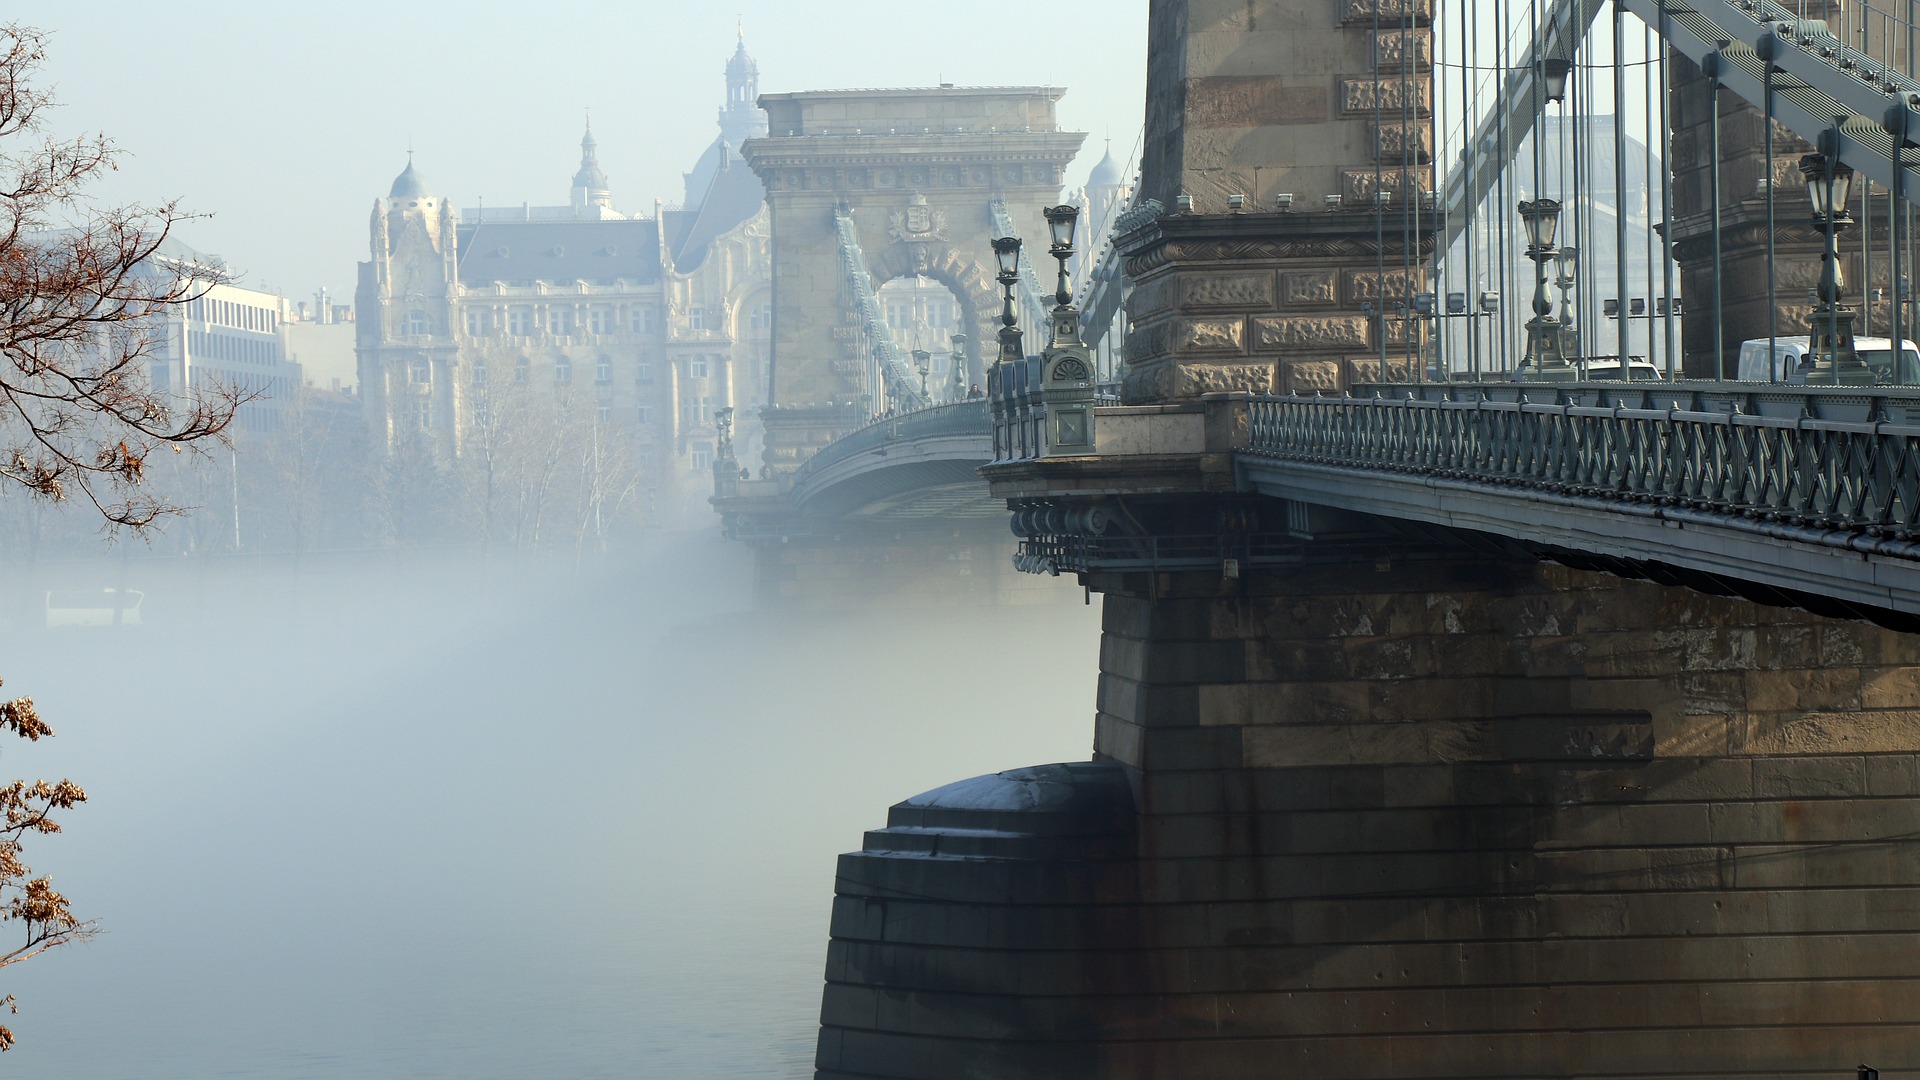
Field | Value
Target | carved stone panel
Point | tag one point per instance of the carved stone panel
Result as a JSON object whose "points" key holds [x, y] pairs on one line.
{"points": [[1395, 142], [1251, 290], [1211, 336], [1299, 376], [1317, 333], [1254, 101], [1364, 285], [1386, 95], [1310, 288], [1396, 48], [1389, 11], [1243, 378]]}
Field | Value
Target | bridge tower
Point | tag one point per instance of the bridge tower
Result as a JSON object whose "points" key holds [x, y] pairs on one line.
{"points": [[1377, 794], [1328, 113], [919, 170]]}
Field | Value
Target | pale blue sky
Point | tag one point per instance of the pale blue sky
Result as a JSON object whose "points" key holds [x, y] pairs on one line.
{"points": [[285, 121]]}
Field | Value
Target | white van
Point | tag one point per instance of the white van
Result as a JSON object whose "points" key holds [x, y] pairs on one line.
{"points": [[1790, 357]]}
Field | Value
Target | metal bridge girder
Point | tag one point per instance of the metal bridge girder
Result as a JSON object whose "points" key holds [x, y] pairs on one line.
{"points": [[1822, 89]]}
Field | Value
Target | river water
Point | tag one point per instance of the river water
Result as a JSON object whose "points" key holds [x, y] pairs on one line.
{"points": [[424, 817]]}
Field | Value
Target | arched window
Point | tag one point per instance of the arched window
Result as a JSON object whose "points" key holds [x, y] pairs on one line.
{"points": [[522, 370], [603, 370], [419, 370], [563, 370]]}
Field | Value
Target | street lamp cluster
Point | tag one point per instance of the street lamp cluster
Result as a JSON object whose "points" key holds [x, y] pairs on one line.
{"points": [[1065, 376]]}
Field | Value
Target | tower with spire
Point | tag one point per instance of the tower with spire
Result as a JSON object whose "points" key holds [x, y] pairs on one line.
{"points": [[405, 303], [590, 197], [742, 118]]}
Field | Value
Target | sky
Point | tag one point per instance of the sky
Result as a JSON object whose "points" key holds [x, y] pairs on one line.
{"points": [[284, 122]]}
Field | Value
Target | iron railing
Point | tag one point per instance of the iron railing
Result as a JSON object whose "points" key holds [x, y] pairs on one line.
{"points": [[958, 418], [1859, 474]]}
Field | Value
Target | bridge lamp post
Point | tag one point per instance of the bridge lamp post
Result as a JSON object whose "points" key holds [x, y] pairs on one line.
{"points": [[1565, 262], [923, 363], [1066, 367], [1832, 358], [1006, 255], [1546, 355], [957, 369]]}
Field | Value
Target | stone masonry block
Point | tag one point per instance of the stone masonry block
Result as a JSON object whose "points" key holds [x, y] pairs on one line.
{"points": [[1251, 291], [1396, 49], [1252, 101], [1310, 288], [1387, 95], [1310, 333], [1211, 336]]}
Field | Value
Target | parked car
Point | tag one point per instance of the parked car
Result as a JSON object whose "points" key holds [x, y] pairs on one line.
{"points": [[1792, 356]]}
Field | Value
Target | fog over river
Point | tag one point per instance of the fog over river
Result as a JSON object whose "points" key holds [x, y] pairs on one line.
{"points": [[432, 816]]}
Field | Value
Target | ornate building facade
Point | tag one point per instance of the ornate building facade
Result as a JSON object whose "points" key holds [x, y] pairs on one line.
{"points": [[488, 330]]}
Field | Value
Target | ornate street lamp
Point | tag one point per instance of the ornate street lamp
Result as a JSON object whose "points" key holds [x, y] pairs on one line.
{"points": [[1832, 358], [1006, 255], [1565, 263], [1546, 355], [1066, 367], [957, 369], [1060, 224], [922, 363]]}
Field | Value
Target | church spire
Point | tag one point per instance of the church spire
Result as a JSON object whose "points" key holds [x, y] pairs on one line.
{"points": [[590, 183]]}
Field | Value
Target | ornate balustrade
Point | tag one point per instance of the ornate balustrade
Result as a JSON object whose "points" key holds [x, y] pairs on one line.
{"points": [[1835, 460], [961, 418]]}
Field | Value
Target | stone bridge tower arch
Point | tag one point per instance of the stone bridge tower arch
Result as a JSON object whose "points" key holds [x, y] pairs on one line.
{"points": [[968, 275], [920, 170]]}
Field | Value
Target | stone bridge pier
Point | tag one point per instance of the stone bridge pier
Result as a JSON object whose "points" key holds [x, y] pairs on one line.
{"points": [[1427, 813]]}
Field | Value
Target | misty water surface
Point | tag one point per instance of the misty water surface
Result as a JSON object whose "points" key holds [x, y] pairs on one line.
{"points": [[386, 817]]}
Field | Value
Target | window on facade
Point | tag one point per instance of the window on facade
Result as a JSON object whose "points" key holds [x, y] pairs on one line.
{"points": [[643, 414], [562, 322], [476, 322], [520, 321], [522, 369], [696, 318], [419, 370], [643, 320], [703, 457], [760, 317], [643, 371], [477, 373], [601, 320], [482, 412], [697, 368], [603, 370], [603, 412], [563, 370], [417, 323], [423, 414]]}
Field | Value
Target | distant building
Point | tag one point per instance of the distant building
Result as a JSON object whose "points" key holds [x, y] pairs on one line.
{"points": [[230, 335], [652, 322]]}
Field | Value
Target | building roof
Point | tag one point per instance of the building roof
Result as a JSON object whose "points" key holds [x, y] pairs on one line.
{"points": [[408, 184], [734, 195], [559, 251], [1107, 173]]}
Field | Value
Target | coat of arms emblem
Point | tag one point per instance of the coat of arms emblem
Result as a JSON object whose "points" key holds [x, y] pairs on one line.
{"points": [[917, 222]]}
